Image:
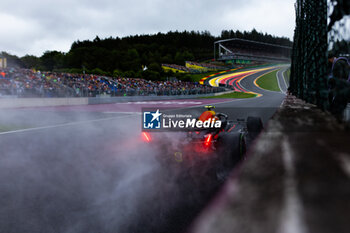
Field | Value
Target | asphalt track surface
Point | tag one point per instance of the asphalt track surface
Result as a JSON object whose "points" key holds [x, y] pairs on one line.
{"points": [[85, 168], [281, 80]]}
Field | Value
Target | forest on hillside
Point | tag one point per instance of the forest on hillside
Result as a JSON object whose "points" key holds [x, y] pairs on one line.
{"points": [[128, 55]]}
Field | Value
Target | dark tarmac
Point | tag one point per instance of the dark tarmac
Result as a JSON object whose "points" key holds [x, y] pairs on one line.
{"points": [[78, 170]]}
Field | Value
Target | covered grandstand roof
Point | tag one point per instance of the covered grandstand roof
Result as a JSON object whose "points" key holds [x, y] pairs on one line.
{"points": [[251, 42], [236, 48]]}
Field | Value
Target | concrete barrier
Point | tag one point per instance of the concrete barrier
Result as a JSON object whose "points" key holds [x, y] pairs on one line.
{"points": [[296, 178], [123, 99], [49, 102], [40, 102]]}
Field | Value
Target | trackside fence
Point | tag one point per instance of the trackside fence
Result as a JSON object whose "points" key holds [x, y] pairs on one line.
{"points": [[320, 57]]}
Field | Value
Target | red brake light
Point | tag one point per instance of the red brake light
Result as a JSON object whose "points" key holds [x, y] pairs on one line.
{"points": [[146, 136], [208, 140]]}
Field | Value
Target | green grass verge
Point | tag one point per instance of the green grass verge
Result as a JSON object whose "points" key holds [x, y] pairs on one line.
{"points": [[269, 81], [236, 95], [287, 76]]}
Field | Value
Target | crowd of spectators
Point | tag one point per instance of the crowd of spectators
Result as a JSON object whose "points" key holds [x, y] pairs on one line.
{"points": [[31, 83], [26, 83]]}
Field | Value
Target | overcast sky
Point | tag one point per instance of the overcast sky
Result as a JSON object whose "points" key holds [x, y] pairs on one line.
{"points": [[34, 26]]}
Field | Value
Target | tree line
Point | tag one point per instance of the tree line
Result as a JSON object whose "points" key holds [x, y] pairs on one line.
{"points": [[128, 55]]}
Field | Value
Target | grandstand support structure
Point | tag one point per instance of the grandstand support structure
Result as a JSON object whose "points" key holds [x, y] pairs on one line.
{"points": [[235, 49]]}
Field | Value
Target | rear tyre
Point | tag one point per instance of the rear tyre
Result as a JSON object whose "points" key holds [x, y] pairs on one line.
{"points": [[231, 150], [254, 126]]}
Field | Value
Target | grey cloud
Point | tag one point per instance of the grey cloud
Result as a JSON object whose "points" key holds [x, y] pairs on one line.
{"points": [[57, 24]]}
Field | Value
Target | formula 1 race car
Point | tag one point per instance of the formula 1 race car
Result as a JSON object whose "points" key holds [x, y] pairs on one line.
{"points": [[218, 148]]}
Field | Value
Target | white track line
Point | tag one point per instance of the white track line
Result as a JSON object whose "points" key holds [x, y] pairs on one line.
{"points": [[292, 217], [62, 125], [278, 81], [126, 114], [284, 78]]}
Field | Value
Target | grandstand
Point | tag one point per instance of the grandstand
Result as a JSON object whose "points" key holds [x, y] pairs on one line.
{"points": [[240, 51], [3, 62]]}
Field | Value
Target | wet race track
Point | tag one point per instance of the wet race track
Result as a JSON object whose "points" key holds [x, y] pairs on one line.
{"points": [[86, 169]]}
